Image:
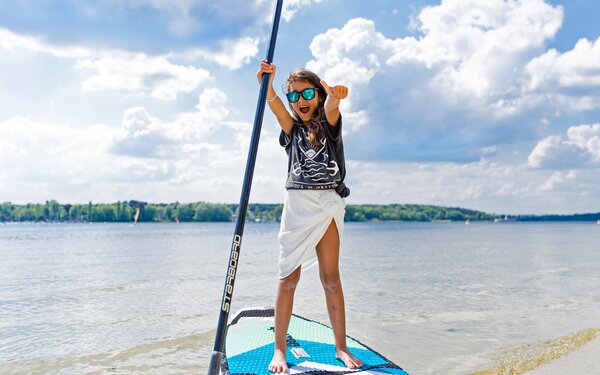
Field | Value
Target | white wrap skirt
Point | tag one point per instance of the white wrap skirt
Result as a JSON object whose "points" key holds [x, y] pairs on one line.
{"points": [[305, 218]]}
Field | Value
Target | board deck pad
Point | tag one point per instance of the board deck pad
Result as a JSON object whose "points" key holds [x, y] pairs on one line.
{"points": [[249, 346]]}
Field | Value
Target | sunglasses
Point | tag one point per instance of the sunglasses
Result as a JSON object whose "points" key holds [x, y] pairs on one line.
{"points": [[308, 94]]}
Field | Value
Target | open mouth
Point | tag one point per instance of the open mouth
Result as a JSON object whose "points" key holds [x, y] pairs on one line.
{"points": [[304, 109]]}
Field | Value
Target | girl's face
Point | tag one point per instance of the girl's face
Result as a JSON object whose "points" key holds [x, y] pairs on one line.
{"points": [[305, 108]]}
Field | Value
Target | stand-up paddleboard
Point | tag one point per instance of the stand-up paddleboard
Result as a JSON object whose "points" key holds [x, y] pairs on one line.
{"points": [[249, 346]]}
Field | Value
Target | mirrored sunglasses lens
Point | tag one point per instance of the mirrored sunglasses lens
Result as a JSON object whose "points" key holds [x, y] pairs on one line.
{"points": [[293, 96], [308, 94]]}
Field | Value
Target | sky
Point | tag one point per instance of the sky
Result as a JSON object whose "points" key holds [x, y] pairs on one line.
{"points": [[490, 105]]}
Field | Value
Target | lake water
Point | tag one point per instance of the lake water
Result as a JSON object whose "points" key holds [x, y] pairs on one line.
{"points": [[436, 298]]}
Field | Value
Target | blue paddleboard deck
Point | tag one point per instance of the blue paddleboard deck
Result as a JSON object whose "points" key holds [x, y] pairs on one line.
{"points": [[249, 346]]}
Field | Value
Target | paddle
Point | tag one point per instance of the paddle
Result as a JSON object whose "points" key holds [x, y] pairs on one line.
{"points": [[218, 351]]}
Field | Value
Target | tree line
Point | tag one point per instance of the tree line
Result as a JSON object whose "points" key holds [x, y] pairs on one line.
{"points": [[572, 218], [124, 211]]}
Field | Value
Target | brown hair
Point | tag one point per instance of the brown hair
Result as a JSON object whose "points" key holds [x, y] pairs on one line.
{"points": [[314, 126]]}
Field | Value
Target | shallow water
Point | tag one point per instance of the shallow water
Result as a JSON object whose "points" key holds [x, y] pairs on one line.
{"points": [[436, 298]]}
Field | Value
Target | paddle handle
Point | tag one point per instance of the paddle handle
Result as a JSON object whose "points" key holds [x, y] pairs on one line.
{"points": [[218, 349]]}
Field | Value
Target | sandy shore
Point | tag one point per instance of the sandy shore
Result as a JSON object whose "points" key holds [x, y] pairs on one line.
{"points": [[584, 360]]}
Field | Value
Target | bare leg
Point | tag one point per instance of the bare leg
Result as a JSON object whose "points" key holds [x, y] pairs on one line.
{"points": [[284, 301], [328, 251]]}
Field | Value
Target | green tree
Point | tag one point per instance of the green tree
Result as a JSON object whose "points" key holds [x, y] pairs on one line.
{"points": [[6, 211], [185, 212], [75, 213], [212, 212]]}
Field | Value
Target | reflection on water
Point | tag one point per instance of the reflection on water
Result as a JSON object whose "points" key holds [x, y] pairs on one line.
{"points": [[433, 297]]}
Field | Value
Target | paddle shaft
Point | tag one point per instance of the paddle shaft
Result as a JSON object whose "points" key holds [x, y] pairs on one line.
{"points": [[218, 349]]}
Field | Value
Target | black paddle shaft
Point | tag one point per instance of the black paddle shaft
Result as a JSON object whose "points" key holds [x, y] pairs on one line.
{"points": [[218, 350]]}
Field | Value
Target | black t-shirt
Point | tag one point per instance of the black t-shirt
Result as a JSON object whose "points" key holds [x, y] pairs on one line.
{"points": [[310, 167]]}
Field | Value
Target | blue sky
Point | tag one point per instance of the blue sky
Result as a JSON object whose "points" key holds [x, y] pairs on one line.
{"points": [[488, 105]]}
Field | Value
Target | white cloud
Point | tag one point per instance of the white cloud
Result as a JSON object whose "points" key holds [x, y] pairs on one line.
{"points": [[160, 76], [232, 54], [354, 121], [468, 49], [581, 149], [115, 69], [571, 78], [183, 16], [144, 136], [556, 179], [141, 135], [38, 159], [47, 159], [182, 11], [290, 7], [181, 21], [457, 88], [450, 183], [488, 186], [350, 54], [15, 42], [200, 155], [587, 137], [482, 46], [141, 73], [554, 152]]}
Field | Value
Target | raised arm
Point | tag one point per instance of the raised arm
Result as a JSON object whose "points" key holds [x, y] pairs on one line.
{"points": [[275, 104], [332, 104]]}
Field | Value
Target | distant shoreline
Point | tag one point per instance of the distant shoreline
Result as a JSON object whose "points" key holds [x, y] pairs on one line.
{"points": [[126, 211]]}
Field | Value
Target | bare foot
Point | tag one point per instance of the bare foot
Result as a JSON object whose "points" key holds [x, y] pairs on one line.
{"points": [[348, 358], [278, 363]]}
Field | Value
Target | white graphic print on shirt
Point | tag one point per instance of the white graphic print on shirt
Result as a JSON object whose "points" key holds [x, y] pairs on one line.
{"points": [[314, 164]]}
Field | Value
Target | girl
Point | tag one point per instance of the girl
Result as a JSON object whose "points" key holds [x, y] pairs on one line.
{"points": [[313, 214]]}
